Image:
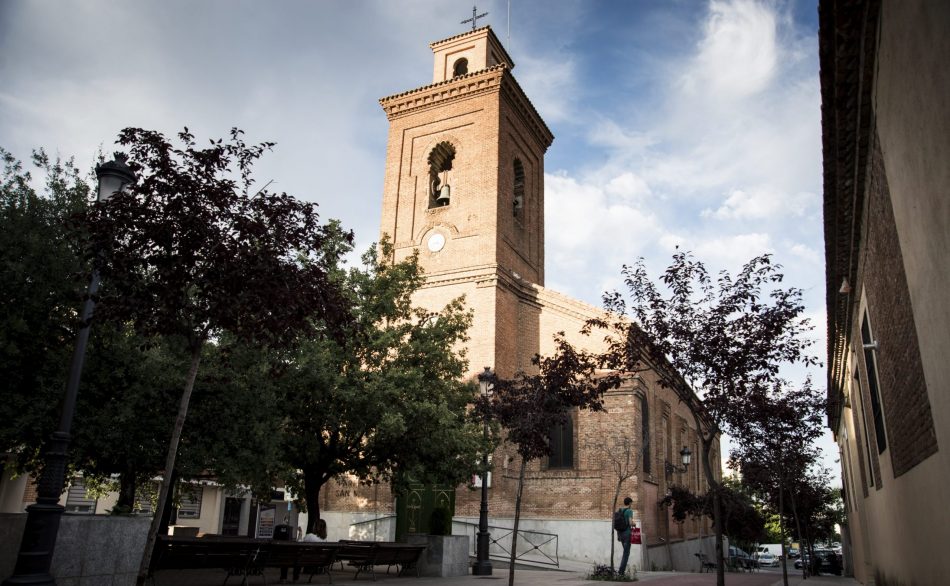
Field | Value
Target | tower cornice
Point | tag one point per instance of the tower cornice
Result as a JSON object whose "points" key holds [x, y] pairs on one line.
{"points": [[497, 78]]}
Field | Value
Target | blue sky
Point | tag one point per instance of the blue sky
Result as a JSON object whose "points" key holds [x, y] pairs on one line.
{"points": [[686, 123]]}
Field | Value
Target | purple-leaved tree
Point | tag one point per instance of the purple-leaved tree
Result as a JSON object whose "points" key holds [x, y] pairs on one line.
{"points": [[191, 251]]}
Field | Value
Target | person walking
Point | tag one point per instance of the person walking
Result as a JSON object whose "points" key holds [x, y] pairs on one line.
{"points": [[623, 535]]}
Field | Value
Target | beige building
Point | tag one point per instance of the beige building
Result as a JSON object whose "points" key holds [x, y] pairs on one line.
{"points": [[885, 85]]}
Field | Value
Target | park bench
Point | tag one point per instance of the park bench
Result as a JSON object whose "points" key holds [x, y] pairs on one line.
{"points": [[236, 557], [312, 558], [366, 555], [704, 563]]}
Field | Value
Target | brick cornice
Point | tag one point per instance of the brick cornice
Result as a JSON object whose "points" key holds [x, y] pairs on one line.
{"points": [[494, 79]]}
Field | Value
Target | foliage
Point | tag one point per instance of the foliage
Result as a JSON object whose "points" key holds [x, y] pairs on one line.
{"points": [[125, 408], [727, 338], [440, 522], [529, 405], [188, 251], [741, 518], [389, 401], [605, 573], [41, 285]]}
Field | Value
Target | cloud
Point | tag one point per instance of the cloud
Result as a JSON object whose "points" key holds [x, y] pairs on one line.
{"points": [[738, 54], [761, 204]]}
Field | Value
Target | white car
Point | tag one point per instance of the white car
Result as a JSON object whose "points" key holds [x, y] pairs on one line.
{"points": [[767, 560]]}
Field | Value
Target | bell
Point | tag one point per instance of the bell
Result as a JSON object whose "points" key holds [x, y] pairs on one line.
{"points": [[519, 201], [444, 195]]}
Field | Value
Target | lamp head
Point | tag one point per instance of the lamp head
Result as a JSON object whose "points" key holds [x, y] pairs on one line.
{"points": [[686, 455], [483, 381], [113, 176]]}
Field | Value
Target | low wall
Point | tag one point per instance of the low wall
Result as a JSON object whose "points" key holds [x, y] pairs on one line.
{"points": [[96, 549], [680, 555]]}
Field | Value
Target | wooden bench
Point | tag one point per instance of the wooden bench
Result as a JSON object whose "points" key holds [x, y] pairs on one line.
{"points": [[236, 557], [311, 558], [366, 555]]}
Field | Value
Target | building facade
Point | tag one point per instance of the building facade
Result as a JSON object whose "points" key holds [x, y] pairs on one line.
{"points": [[886, 138], [464, 187]]}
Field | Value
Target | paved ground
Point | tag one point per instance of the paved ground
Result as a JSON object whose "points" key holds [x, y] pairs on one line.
{"points": [[500, 577]]}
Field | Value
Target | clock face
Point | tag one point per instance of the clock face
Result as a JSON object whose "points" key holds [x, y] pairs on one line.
{"points": [[436, 242]]}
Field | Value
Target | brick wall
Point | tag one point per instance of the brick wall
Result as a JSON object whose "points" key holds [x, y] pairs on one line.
{"points": [[907, 416]]}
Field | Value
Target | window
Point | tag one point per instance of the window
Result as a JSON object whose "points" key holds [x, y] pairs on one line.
{"points": [[440, 163], [518, 198], [78, 500], [190, 507], [645, 435], [858, 406], [870, 365], [562, 444], [460, 67]]}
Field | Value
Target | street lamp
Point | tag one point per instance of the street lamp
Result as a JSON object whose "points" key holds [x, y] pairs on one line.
{"points": [[686, 456], [482, 565], [43, 516]]}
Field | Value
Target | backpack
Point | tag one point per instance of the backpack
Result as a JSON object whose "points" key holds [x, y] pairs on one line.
{"points": [[620, 521]]}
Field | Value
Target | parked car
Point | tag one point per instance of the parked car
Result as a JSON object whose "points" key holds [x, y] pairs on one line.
{"points": [[767, 560], [792, 552], [739, 558], [829, 561]]}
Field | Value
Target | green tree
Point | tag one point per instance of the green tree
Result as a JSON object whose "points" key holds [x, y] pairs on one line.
{"points": [[726, 338], [41, 287], [388, 402]]}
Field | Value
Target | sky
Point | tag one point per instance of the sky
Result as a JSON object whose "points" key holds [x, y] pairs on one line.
{"points": [[689, 123]]}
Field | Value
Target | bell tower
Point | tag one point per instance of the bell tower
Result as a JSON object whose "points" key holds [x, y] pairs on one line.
{"points": [[464, 185]]}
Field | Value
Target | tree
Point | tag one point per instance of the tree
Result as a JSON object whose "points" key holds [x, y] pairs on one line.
{"points": [[776, 443], [388, 402], [41, 287], [127, 405], [189, 251], [528, 406], [622, 460], [727, 339]]}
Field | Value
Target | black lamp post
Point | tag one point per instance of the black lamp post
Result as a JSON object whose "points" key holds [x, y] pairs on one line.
{"points": [[42, 521], [686, 456], [482, 565]]}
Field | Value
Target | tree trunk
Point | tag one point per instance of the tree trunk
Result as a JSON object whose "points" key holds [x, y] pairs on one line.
{"points": [[717, 498], [169, 464], [514, 532], [801, 536], [312, 483], [781, 530], [126, 500], [613, 542]]}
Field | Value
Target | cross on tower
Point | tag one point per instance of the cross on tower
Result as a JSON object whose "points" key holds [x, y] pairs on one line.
{"points": [[474, 18]]}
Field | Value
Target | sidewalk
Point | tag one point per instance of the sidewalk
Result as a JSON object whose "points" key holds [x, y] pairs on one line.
{"points": [[523, 577]]}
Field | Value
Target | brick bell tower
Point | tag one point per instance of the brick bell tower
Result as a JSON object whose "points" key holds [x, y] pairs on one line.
{"points": [[464, 186]]}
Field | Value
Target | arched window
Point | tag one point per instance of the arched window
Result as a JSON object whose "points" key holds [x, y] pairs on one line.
{"points": [[645, 435], [562, 444], [460, 67], [518, 198], [440, 163]]}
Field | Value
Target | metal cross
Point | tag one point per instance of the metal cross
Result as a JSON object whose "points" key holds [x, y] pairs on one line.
{"points": [[474, 18]]}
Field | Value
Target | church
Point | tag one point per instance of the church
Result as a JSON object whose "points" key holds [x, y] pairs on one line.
{"points": [[464, 186]]}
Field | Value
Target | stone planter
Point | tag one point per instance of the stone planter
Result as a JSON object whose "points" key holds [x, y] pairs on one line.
{"points": [[445, 555]]}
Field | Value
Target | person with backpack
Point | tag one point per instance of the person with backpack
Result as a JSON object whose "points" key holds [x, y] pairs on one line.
{"points": [[623, 520]]}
